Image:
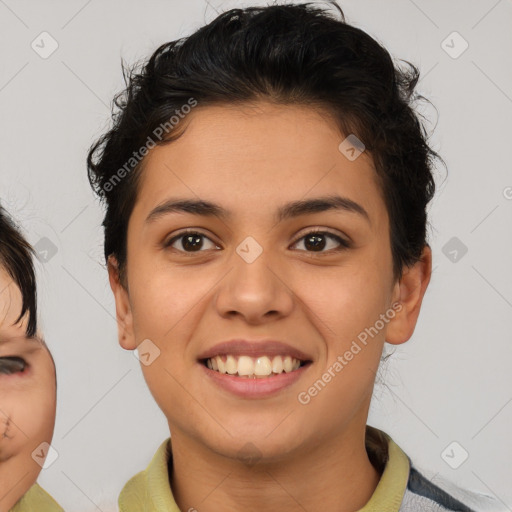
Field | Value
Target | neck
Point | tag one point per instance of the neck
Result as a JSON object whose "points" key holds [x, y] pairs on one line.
{"points": [[335, 475]]}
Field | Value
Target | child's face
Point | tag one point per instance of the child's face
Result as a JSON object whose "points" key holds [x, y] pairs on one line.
{"points": [[27, 398], [251, 162]]}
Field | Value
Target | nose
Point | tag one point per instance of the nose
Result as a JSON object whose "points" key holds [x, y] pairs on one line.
{"points": [[259, 290]]}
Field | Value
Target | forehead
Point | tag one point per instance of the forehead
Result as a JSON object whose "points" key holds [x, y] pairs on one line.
{"points": [[248, 153]]}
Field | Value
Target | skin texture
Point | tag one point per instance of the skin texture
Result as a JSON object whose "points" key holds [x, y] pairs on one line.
{"points": [[27, 399], [251, 160]]}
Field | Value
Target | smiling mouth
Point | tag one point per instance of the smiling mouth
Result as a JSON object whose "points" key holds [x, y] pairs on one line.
{"points": [[253, 367]]}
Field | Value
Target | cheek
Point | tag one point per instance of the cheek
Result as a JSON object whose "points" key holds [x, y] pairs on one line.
{"points": [[44, 410], [44, 401], [27, 407], [344, 305], [164, 310], [346, 300], [27, 419], [162, 300], [37, 412]]}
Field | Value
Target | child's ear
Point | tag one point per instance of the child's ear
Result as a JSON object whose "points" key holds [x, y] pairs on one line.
{"points": [[409, 290], [123, 307]]}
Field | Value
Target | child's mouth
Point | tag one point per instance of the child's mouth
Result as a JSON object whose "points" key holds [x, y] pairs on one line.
{"points": [[253, 367]]}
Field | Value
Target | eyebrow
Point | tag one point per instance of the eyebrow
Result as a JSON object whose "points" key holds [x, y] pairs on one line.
{"points": [[287, 211]]}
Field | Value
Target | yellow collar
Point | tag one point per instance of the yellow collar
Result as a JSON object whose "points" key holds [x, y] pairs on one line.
{"points": [[36, 498], [149, 490]]}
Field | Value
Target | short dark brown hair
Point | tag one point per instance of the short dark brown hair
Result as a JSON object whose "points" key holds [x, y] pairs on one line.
{"points": [[16, 257], [289, 54]]}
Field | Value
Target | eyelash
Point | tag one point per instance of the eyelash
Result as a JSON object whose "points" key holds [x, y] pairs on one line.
{"points": [[345, 244], [7, 363]]}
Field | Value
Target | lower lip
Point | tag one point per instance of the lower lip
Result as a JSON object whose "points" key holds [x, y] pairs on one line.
{"points": [[255, 387]]}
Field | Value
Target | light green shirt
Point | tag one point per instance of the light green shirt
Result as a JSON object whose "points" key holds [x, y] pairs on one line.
{"points": [[36, 499], [150, 491]]}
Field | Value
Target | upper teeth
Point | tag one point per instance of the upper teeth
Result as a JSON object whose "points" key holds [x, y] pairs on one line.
{"points": [[252, 366]]}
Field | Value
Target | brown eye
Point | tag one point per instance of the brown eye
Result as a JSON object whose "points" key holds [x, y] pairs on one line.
{"points": [[190, 242], [12, 364], [317, 241]]}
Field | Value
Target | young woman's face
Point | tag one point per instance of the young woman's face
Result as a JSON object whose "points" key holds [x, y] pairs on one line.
{"points": [[258, 276], [27, 399]]}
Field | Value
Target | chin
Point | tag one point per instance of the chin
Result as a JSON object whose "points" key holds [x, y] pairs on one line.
{"points": [[256, 446]]}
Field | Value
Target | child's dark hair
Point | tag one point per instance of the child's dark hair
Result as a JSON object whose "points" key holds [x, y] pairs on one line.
{"points": [[16, 259], [290, 55]]}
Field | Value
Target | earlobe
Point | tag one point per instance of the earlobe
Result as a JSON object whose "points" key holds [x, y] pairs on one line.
{"points": [[409, 291], [123, 308]]}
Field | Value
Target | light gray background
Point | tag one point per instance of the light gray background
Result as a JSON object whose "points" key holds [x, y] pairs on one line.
{"points": [[450, 382]]}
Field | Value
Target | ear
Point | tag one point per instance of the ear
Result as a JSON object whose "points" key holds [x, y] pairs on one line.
{"points": [[409, 290], [123, 307]]}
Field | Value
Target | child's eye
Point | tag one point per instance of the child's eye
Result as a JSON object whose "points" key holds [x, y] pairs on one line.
{"points": [[193, 241], [12, 364]]}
